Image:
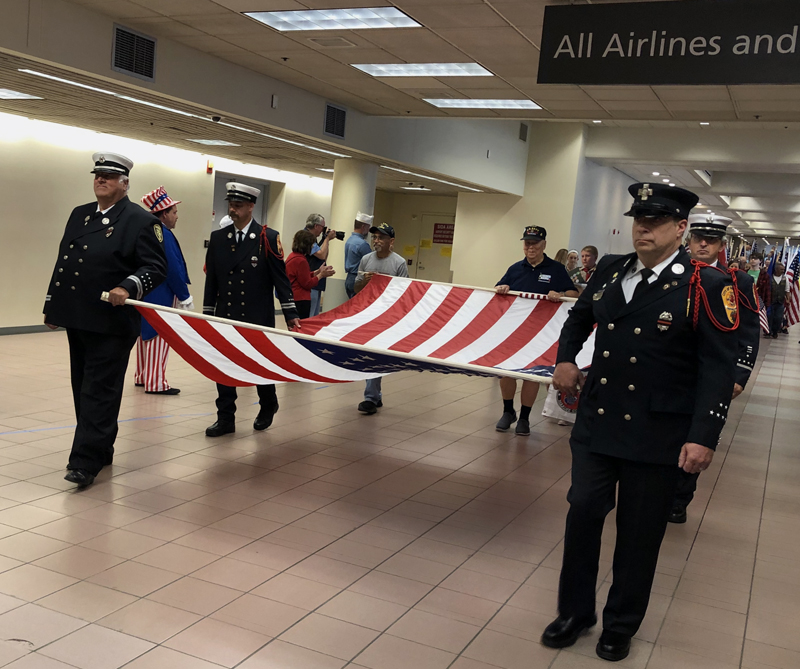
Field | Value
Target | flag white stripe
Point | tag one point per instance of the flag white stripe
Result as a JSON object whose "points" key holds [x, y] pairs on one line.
{"points": [[472, 306], [584, 358], [294, 350], [416, 317], [342, 327], [541, 343]]}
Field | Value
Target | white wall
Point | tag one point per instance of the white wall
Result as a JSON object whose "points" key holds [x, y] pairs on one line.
{"points": [[45, 173], [601, 199]]}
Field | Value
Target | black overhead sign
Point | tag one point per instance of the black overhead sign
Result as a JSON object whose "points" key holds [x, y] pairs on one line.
{"points": [[697, 42]]}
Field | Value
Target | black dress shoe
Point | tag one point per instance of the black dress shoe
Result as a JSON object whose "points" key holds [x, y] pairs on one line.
{"points": [[264, 419], [563, 632], [168, 391], [677, 515], [79, 476], [613, 646], [139, 385], [219, 428], [368, 407]]}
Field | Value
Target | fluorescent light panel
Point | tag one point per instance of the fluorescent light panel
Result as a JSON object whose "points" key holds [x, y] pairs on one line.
{"points": [[213, 142], [425, 70], [362, 18], [423, 176], [8, 94], [414, 188], [180, 112], [451, 103], [324, 169]]}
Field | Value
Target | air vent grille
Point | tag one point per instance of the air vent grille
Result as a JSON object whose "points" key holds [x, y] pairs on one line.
{"points": [[332, 42], [523, 132], [335, 118], [134, 53]]}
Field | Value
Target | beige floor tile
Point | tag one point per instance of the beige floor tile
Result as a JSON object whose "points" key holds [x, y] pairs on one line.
{"points": [[395, 589], [390, 652], [216, 542], [234, 574], [179, 559], [37, 661], [218, 642], [458, 606], [329, 636], [36, 626], [432, 630], [86, 601], [376, 614], [149, 620], [27, 546], [31, 583], [327, 570], [264, 616], [194, 595], [162, 527], [73, 529], [282, 655], [78, 562], [761, 656], [134, 578], [296, 591], [480, 585], [665, 657], [123, 544], [95, 647], [26, 517], [165, 658], [508, 652]]}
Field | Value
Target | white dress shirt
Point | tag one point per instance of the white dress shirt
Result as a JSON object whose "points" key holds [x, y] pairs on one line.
{"points": [[245, 230], [633, 277]]}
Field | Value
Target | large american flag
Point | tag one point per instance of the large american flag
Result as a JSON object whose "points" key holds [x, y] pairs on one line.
{"points": [[394, 324], [792, 314]]}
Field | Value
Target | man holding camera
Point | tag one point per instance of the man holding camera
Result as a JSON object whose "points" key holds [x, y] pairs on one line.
{"points": [[315, 224]]}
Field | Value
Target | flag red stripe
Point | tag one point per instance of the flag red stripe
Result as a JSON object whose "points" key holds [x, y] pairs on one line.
{"points": [[526, 331], [394, 314], [355, 305], [187, 352], [261, 342], [236, 356], [547, 359], [438, 319], [492, 312]]}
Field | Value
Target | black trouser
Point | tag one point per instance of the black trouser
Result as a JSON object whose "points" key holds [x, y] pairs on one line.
{"points": [[226, 401], [687, 484], [644, 501], [775, 319], [303, 308], [97, 368]]}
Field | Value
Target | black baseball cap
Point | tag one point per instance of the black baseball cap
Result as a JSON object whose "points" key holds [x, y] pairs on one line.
{"points": [[534, 233], [383, 229]]}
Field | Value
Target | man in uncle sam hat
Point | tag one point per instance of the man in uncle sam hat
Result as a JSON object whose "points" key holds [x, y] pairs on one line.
{"points": [[655, 401], [112, 245], [151, 349], [244, 268]]}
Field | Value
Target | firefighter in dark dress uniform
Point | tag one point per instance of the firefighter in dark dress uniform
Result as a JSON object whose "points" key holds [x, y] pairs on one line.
{"points": [[110, 245], [655, 400], [244, 267], [706, 239]]}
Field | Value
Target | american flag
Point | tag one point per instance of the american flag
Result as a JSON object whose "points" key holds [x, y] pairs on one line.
{"points": [[394, 324], [762, 316], [792, 314], [754, 248]]}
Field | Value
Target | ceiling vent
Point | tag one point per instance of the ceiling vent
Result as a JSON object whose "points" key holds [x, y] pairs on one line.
{"points": [[335, 120], [134, 54], [332, 42]]}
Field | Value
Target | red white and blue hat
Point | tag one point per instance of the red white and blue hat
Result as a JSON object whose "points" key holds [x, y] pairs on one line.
{"points": [[242, 192], [158, 200], [113, 163]]}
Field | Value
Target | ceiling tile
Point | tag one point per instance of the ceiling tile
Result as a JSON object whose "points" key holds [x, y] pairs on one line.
{"points": [[180, 7], [765, 92], [260, 5], [162, 26], [700, 105], [442, 16], [573, 105], [692, 92], [415, 45], [413, 82], [632, 105], [620, 92], [120, 9]]}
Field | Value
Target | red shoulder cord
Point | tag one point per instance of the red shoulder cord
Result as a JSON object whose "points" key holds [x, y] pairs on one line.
{"points": [[264, 242], [700, 293]]}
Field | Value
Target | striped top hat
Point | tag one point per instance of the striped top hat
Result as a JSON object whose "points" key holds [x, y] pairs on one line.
{"points": [[158, 200], [113, 163]]}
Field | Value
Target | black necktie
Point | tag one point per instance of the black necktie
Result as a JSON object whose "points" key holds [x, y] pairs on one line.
{"points": [[643, 283], [240, 236]]}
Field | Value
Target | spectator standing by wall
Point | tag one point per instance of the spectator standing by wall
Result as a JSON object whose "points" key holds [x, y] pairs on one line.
{"points": [[355, 248], [303, 280]]}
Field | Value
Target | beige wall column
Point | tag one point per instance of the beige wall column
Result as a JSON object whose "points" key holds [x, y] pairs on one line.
{"points": [[354, 184], [489, 226]]}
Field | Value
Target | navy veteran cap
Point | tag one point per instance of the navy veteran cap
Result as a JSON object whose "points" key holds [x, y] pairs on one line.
{"points": [[383, 229], [661, 200], [112, 163], [535, 233], [708, 225], [241, 192]]}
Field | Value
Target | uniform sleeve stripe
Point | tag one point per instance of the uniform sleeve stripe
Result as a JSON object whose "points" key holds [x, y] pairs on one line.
{"points": [[138, 282]]}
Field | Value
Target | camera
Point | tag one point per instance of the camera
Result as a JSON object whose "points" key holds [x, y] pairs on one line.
{"points": [[339, 234], [216, 119]]}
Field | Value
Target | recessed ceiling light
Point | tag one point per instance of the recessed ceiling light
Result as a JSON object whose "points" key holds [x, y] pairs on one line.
{"points": [[420, 187], [213, 142], [666, 181], [424, 176], [704, 123], [425, 70], [672, 185], [7, 94], [596, 121], [656, 174], [361, 18], [180, 112], [451, 103], [324, 169]]}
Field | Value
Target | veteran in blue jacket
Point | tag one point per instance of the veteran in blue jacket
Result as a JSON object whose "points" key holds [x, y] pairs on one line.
{"points": [[151, 349]]}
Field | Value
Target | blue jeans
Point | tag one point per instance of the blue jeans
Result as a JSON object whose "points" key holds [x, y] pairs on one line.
{"points": [[316, 298], [372, 393]]}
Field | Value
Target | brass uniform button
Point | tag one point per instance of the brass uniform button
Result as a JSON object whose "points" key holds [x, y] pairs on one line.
{"points": [[601, 411], [606, 354], [627, 416], [637, 331], [604, 381], [631, 388], [58, 283], [85, 247], [633, 360], [60, 269], [610, 326]]}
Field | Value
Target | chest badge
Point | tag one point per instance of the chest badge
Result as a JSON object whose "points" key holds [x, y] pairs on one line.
{"points": [[598, 295], [230, 235], [252, 235], [614, 277], [110, 231], [677, 268], [106, 221], [254, 261], [86, 220], [664, 321], [729, 301]]}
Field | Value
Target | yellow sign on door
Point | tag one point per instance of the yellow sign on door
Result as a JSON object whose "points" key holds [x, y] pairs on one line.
{"points": [[426, 243], [446, 251], [409, 251]]}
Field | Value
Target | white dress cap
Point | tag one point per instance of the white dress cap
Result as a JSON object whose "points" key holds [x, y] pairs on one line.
{"points": [[364, 218], [112, 162], [237, 191]]}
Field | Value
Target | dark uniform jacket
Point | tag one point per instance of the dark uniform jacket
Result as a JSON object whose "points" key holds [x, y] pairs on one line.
{"points": [[656, 382], [122, 248], [240, 280], [749, 327]]}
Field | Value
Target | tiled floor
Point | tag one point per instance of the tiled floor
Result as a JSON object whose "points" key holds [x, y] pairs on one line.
{"points": [[419, 538]]}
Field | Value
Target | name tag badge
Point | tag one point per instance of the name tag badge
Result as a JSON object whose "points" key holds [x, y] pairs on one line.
{"points": [[544, 278]]}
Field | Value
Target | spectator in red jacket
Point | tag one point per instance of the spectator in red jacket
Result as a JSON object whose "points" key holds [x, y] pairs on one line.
{"points": [[300, 274]]}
